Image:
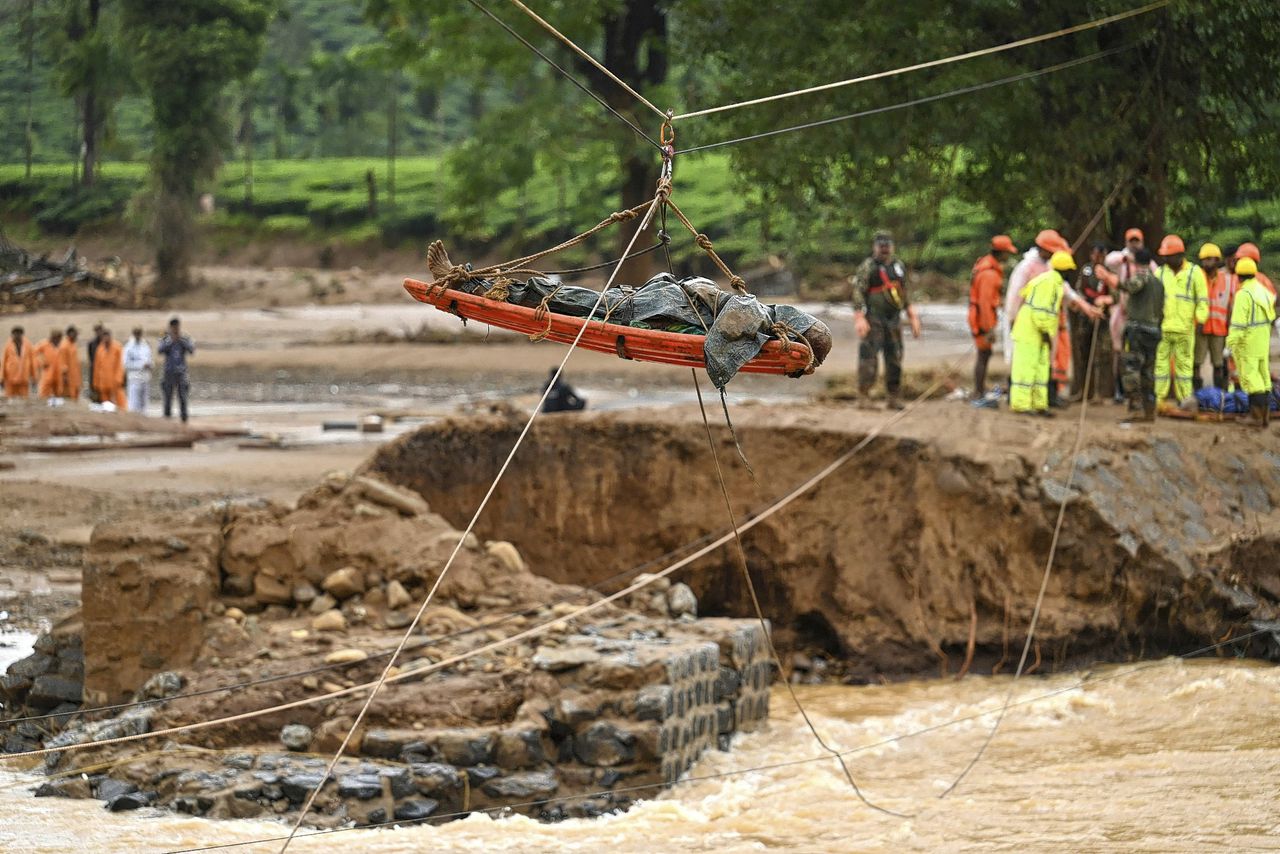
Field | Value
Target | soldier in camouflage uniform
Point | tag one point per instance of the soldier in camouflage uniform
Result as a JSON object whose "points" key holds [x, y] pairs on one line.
{"points": [[879, 298]]}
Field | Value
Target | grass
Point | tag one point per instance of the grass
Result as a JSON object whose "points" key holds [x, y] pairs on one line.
{"points": [[327, 200]]}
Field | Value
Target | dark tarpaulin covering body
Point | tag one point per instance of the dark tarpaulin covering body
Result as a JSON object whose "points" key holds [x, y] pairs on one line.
{"points": [[736, 326]]}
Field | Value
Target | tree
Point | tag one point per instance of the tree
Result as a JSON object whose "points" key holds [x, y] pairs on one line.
{"points": [[1181, 117], [186, 55], [524, 111]]}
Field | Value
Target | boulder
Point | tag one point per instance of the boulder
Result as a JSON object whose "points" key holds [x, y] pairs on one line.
{"points": [[330, 621], [397, 596], [297, 787], [343, 583], [556, 659], [109, 788], [270, 590], [405, 501], [304, 593], [364, 787], [681, 601], [162, 686], [131, 801], [345, 656], [507, 555], [49, 691], [526, 784], [323, 602], [603, 744], [416, 809], [296, 737]]}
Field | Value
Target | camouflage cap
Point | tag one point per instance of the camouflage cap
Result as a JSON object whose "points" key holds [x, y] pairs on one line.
{"points": [[883, 237]]}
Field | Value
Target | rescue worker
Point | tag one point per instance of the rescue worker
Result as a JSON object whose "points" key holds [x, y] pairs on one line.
{"points": [[1211, 336], [1034, 262], [1250, 250], [107, 381], [1123, 265], [1090, 349], [18, 364], [879, 298], [69, 357], [1186, 305], [1143, 299], [1034, 330], [1252, 316], [137, 371], [985, 284], [48, 365]]}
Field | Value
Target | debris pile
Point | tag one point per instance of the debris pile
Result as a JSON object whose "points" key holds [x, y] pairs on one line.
{"points": [[36, 281]]}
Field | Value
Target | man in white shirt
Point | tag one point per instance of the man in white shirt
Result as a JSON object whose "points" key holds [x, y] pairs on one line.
{"points": [[137, 371]]}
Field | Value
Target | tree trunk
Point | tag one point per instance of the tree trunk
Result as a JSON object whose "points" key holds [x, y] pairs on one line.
{"points": [[91, 124], [174, 226], [28, 137]]}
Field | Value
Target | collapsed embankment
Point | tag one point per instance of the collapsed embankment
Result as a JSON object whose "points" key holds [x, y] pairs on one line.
{"points": [[938, 531]]}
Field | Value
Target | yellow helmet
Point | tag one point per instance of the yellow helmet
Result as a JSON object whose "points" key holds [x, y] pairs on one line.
{"points": [[1210, 250], [1062, 262], [1246, 267]]}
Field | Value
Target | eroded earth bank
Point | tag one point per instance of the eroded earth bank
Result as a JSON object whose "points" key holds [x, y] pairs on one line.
{"points": [[930, 541]]}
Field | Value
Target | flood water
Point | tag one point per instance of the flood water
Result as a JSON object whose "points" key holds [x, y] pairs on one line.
{"points": [[1173, 756]]}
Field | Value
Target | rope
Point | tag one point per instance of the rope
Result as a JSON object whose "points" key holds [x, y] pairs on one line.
{"points": [[987, 51], [568, 76], [738, 772], [964, 90], [764, 623], [588, 57], [484, 502], [704, 243]]}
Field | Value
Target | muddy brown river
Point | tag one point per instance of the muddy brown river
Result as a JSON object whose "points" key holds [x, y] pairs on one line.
{"points": [[1171, 756]]}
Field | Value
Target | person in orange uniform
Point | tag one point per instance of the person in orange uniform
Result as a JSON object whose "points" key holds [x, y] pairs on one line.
{"points": [[984, 304], [108, 371], [1211, 336], [1250, 250], [48, 364], [18, 364], [69, 365]]}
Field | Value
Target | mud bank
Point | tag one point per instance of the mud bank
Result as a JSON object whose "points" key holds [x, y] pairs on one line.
{"points": [[940, 527], [236, 607]]}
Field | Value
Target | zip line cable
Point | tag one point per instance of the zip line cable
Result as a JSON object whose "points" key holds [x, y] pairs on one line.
{"points": [[1084, 682], [484, 503], [601, 101], [987, 51], [964, 90], [589, 58]]}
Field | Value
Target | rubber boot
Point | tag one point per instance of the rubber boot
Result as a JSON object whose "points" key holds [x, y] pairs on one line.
{"points": [[1146, 416], [1220, 378], [1264, 404], [1258, 409], [1197, 382]]}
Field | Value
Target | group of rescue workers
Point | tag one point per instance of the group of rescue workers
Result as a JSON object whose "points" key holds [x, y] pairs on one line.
{"points": [[1129, 324]]}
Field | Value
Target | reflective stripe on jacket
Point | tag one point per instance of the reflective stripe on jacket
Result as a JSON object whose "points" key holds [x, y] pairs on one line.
{"points": [[1041, 302], [1186, 298], [1251, 318], [1222, 288]]}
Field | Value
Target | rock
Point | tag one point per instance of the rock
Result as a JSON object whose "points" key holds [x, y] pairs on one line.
{"points": [[322, 603], [800, 661], [343, 583], [527, 784], [32, 666], [401, 781], [241, 761], [397, 619], [374, 597], [67, 787], [234, 614], [556, 659], [397, 596], [296, 737], [604, 744], [520, 749], [416, 809], [345, 656], [271, 591], [304, 593], [681, 601], [174, 544], [507, 555], [162, 686], [131, 801], [368, 511], [32, 538], [378, 816], [330, 621], [481, 774], [654, 703], [49, 691], [14, 689], [297, 787], [406, 501], [465, 747], [109, 787], [435, 777], [363, 787]]}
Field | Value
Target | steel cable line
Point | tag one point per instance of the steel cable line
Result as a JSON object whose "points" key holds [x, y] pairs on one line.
{"points": [[601, 101], [1086, 681], [964, 90], [658, 199], [1089, 25]]}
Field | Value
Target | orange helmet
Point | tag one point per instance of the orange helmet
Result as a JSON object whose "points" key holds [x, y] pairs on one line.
{"points": [[1049, 240], [1172, 245], [1002, 243], [1249, 250]]}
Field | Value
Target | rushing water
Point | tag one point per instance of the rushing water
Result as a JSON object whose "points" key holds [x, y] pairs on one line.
{"points": [[1179, 756]]}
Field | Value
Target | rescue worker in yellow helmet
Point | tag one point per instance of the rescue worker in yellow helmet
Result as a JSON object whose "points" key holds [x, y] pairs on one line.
{"points": [[1186, 306], [1252, 316], [1034, 329]]}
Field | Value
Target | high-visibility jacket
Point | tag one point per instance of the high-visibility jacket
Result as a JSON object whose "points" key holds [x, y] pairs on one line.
{"points": [[1186, 298], [984, 295], [1222, 289], [1041, 302], [1250, 338]]}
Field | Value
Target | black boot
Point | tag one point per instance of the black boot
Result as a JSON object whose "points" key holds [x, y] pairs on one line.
{"points": [[1220, 378]]}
